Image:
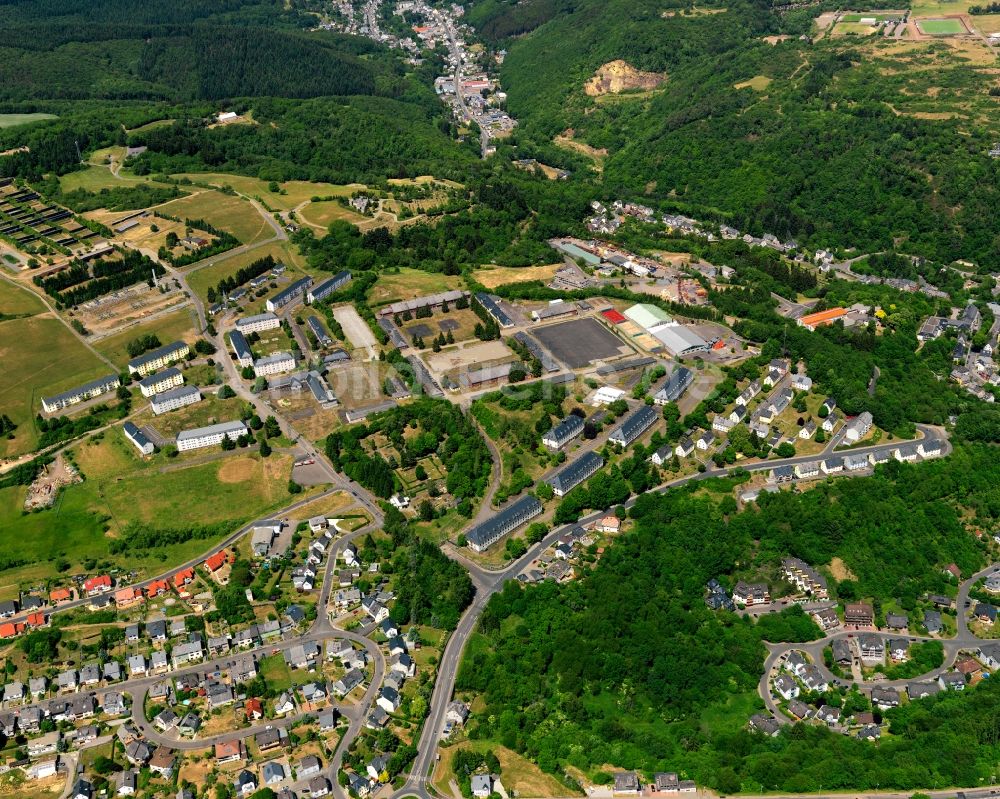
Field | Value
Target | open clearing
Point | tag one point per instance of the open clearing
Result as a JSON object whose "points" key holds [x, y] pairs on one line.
{"points": [[320, 215], [169, 327], [516, 772], [223, 211], [15, 301], [120, 488], [95, 178], [580, 342], [758, 83], [13, 120], [469, 356], [203, 278], [494, 276], [406, 284], [355, 328], [40, 357], [292, 193]]}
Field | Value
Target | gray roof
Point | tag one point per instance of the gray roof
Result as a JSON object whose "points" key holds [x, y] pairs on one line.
{"points": [[576, 472], [634, 425], [240, 345], [503, 522], [221, 427], [85, 388], [174, 393]]}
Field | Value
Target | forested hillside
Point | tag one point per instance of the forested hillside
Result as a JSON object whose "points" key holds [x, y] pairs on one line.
{"points": [[628, 667], [254, 50], [833, 142]]}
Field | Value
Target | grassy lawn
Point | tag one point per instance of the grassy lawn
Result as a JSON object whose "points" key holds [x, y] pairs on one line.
{"points": [[18, 301], [201, 280], [941, 27], [321, 214], [292, 194], [171, 327], [516, 772], [223, 211], [275, 671], [40, 357], [94, 178], [758, 83], [410, 283], [13, 120]]}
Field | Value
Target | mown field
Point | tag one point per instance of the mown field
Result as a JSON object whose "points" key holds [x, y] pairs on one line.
{"points": [[40, 357], [13, 120], [292, 193]]}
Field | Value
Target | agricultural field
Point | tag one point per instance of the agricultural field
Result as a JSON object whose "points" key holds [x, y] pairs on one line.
{"points": [[40, 357], [223, 211], [406, 284], [13, 120], [170, 327]]}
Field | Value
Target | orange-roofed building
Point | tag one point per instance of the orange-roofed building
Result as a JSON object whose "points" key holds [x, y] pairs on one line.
{"points": [[813, 320], [254, 709], [609, 524], [10, 629], [126, 597], [37, 619], [183, 577], [60, 595], [156, 588], [216, 561], [719, 345]]}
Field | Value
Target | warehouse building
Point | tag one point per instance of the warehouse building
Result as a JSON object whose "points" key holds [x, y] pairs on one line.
{"points": [[484, 535], [81, 393], [678, 340], [175, 398], [327, 287], [161, 381], [241, 349], [257, 323], [647, 316], [293, 295], [569, 477], [210, 436], [635, 424], [159, 358], [274, 364], [564, 432], [137, 437]]}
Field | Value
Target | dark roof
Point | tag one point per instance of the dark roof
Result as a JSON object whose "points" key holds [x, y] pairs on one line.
{"points": [[576, 472], [506, 520]]}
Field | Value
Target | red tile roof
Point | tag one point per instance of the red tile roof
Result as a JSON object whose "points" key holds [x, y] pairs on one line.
{"points": [[94, 583], [183, 577], [36, 619], [59, 595], [216, 561], [613, 316], [156, 588], [10, 629]]}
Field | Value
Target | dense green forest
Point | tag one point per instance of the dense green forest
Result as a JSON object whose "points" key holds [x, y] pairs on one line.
{"points": [[628, 667]]}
